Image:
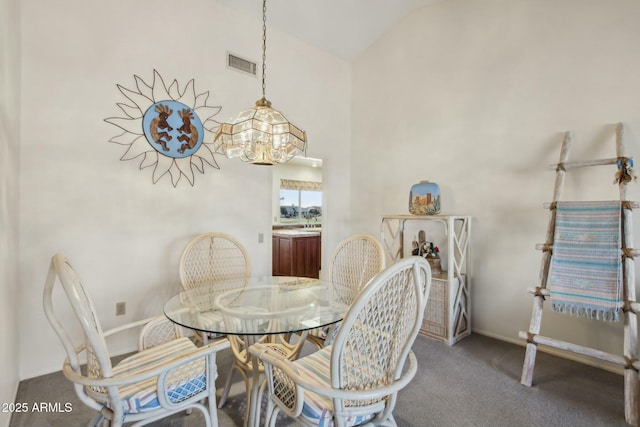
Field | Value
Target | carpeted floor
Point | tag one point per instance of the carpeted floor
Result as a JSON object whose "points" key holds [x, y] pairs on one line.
{"points": [[473, 383]]}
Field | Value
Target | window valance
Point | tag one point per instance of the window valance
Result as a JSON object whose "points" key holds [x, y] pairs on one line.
{"points": [[292, 184]]}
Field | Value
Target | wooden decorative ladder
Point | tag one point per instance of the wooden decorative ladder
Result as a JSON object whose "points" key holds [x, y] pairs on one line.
{"points": [[629, 359]]}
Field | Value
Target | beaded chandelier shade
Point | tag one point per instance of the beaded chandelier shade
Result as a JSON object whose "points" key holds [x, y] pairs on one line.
{"points": [[260, 135]]}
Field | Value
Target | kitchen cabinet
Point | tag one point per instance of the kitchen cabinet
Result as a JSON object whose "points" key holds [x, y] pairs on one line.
{"points": [[296, 253]]}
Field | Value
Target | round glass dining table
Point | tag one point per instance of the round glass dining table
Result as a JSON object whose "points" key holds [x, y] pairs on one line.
{"points": [[255, 308]]}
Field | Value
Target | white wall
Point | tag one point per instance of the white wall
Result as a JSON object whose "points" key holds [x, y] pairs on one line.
{"points": [[472, 95], [9, 185], [475, 95], [122, 233]]}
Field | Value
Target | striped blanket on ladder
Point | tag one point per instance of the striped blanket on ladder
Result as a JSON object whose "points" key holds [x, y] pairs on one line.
{"points": [[586, 266]]}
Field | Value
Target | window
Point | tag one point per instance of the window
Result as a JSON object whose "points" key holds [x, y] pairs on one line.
{"points": [[300, 202]]}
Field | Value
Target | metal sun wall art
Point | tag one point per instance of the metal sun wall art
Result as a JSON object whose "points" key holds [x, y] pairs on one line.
{"points": [[167, 128]]}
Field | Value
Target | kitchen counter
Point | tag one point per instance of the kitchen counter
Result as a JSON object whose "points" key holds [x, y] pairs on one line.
{"points": [[293, 232]]}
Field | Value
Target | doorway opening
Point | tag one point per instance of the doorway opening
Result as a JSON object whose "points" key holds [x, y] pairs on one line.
{"points": [[297, 217]]}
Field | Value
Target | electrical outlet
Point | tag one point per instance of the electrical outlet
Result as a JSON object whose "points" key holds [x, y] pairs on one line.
{"points": [[121, 308]]}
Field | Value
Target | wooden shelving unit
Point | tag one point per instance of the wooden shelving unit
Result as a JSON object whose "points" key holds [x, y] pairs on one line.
{"points": [[448, 313]]}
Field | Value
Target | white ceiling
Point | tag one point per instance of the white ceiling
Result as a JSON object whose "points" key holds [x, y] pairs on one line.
{"points": [[342, 27]]}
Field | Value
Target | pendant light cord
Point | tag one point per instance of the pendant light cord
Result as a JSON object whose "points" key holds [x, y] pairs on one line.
{"points": [[264, 47]]}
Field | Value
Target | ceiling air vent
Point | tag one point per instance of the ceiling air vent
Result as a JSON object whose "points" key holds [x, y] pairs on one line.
{"points": [[244, 65]]}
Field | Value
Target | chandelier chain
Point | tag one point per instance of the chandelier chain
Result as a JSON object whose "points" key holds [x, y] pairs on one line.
{"points": [[269, 137], [264, 46]]}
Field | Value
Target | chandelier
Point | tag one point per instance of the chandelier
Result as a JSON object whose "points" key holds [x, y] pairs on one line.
{"points": [[260, 135]]}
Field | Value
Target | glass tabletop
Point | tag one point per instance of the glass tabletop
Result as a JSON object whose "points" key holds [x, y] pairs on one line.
{"points": [[257, 306]]}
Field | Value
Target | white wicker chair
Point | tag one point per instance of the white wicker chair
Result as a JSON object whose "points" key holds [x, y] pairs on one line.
{"points": [[353, 263], [355, 380], [171, 375]]}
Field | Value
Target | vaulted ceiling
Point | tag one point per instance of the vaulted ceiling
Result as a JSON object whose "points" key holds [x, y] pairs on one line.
{"points": [[342, 27]]}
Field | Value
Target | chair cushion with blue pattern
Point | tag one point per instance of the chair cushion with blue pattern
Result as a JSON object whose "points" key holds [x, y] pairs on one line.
{"points": [[319, 409], [143, 396]]}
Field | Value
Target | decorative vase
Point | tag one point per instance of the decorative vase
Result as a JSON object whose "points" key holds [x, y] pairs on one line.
{"points": [[434, 263], [424, 198]]}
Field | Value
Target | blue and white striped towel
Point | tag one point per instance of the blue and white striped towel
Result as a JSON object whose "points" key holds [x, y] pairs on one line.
{"points": [[586, 266]]}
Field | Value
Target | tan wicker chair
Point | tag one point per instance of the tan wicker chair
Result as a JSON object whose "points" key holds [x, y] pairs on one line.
{"points": [[243, 362], [156, 331], [355, 380], [353, 263], [169, 376], [219, 259], [213, 257]]}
